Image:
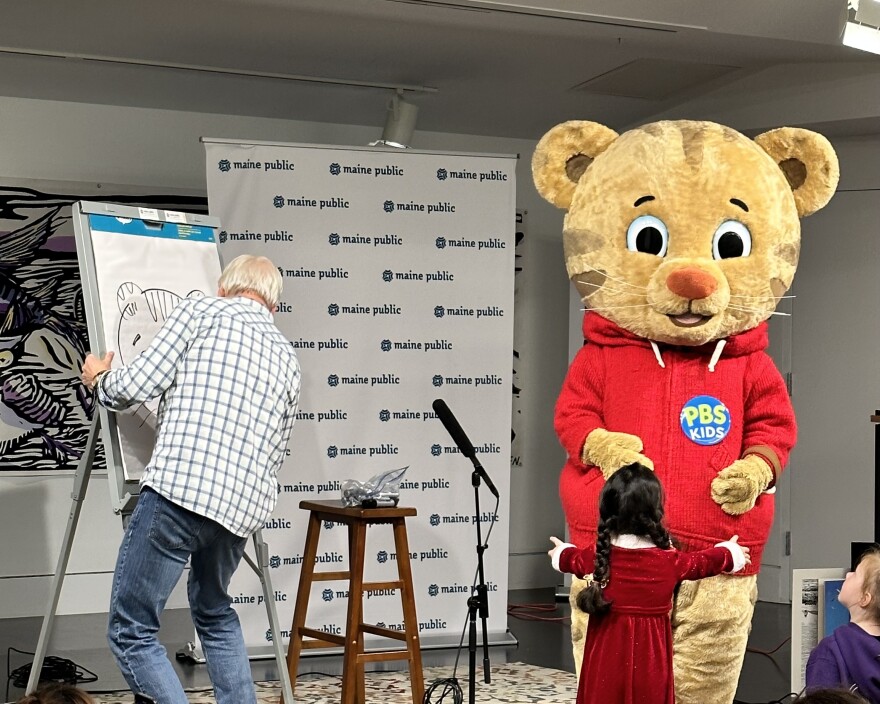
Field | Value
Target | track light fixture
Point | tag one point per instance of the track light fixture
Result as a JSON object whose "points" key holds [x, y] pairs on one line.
{"points": [[400, 123]]}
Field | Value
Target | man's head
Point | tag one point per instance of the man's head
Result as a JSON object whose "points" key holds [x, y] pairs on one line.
{"points": [[251, 276]]}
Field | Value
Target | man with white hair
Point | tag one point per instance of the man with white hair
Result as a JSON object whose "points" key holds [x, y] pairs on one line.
{"points": [[229, 386]]}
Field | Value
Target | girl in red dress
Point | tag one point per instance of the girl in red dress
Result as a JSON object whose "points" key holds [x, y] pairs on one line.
{"points": [[635, 570]]}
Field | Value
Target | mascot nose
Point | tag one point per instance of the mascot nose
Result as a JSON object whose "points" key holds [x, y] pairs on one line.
{"points": [[691, 283]]}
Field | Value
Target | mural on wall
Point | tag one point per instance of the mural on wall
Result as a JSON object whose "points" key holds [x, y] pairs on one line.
{"points": [[44, 409]]}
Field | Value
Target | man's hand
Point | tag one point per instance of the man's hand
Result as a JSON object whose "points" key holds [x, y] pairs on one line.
{"points": [[93, 366]]}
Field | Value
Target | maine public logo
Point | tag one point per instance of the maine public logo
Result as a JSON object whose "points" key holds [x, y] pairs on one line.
{"points": [[705, 420], [333, 380], [388, 206], [224, 165], [385, 345], [335, 169], [384, 415], [333, 239], [439, 311], [278, 201], [440, 242], [442, 174], [222, 236], [387, 275]]}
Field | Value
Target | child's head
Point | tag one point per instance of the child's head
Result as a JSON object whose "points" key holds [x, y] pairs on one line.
{"points": [[57, 694], [861, 589], [630, 502]]}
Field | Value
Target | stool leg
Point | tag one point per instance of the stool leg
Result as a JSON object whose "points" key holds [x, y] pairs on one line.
{"points": [[410, 620], [307, 570], [357, 539]]}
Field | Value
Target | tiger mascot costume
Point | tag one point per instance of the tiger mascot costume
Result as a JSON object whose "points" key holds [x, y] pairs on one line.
{"points": [[681, 237]]}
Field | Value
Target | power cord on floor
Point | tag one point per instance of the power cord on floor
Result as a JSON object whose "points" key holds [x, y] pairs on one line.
{"points": [[449, 694], [786, 699], [768, 653], [532, 612], [54, 669]]}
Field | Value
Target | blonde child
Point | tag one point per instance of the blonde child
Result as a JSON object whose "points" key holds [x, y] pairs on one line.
{"points": [[850, 657]]}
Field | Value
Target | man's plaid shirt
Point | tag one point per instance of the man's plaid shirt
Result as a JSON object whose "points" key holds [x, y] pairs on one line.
{"points": [[229, 382]]}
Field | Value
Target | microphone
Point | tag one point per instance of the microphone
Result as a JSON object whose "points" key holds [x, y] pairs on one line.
{"points": [[461, 439]]}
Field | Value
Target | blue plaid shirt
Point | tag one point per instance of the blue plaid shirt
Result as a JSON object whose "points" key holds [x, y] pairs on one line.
{"points": [[229, 386]]}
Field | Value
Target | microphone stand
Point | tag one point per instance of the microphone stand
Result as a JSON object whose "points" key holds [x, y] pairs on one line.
{"points": [[479, 599]]}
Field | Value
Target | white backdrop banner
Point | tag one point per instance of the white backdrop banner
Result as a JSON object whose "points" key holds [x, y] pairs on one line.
{"points": [[398, 272]]}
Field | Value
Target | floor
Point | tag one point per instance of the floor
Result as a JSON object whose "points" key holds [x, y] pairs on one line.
{"points": [[764, 679]]}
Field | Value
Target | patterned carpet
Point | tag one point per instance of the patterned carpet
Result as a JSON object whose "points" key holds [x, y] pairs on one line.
{"points": [[512, 683]]}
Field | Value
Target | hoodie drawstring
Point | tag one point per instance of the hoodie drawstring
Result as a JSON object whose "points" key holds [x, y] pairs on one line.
{"points": [[657, 354], [716, 355]]}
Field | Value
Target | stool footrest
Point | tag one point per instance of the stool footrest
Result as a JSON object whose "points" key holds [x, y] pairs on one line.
{"points": [[384, 656], [320, 638], [330, 576], [395, 585], [384, 632]]}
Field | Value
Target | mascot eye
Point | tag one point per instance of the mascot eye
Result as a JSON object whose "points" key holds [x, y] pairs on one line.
{"points": [[647, 234], [732, 239]]}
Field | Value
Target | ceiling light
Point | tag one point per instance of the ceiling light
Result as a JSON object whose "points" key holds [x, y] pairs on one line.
{"points": [[400, 123]]}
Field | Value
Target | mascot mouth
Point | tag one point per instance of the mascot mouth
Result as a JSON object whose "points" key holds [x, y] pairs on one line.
{"points": [[689, 320]]}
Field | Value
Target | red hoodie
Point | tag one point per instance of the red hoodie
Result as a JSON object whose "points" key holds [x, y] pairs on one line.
{"points": [[616, 382]]}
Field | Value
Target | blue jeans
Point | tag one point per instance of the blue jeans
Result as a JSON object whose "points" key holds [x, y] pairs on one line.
{"points": [[161, 536]]}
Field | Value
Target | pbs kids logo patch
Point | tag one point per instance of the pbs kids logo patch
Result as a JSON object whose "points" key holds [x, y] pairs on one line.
{"points": [[705, 420]]}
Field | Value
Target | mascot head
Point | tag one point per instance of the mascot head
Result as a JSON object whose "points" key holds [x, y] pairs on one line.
{"points": [[683, 232]]}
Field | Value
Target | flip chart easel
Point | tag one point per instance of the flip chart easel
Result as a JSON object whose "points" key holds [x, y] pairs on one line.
{"points": [[128, 259]]}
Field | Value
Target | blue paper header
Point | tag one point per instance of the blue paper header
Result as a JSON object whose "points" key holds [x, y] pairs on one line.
{"points": [[164, 230]]}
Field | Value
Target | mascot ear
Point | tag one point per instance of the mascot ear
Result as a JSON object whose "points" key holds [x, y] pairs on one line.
{"points": [[562, 156], [809, 163]]}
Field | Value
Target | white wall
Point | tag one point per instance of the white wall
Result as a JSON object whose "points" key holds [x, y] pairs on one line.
{"points": [[836, 365], [159, 149]]}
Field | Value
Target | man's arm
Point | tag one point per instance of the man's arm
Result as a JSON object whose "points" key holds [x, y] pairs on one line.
{"points": [[152, 372]]}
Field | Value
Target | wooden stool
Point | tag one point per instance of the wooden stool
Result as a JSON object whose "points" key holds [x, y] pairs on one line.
{"points": [[357, 519]]}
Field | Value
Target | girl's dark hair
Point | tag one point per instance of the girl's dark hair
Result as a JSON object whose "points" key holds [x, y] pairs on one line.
{"points": [[57, 694], [631, 502]]}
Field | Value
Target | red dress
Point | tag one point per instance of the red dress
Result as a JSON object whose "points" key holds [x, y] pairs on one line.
{"points": [[628, 650]]}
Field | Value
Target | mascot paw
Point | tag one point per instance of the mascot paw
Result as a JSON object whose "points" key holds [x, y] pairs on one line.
{"points": [[610, 451], [737, 487], [626, 457]]}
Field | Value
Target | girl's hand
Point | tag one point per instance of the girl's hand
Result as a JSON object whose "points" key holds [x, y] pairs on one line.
{"points": [[556, 543], [735, 539]]}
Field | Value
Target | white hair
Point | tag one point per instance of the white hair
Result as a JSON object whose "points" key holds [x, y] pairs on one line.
{"points": [[253, 274]]}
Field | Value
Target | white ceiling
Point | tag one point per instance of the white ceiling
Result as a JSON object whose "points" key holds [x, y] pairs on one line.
{"points": [[498, 68]]}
